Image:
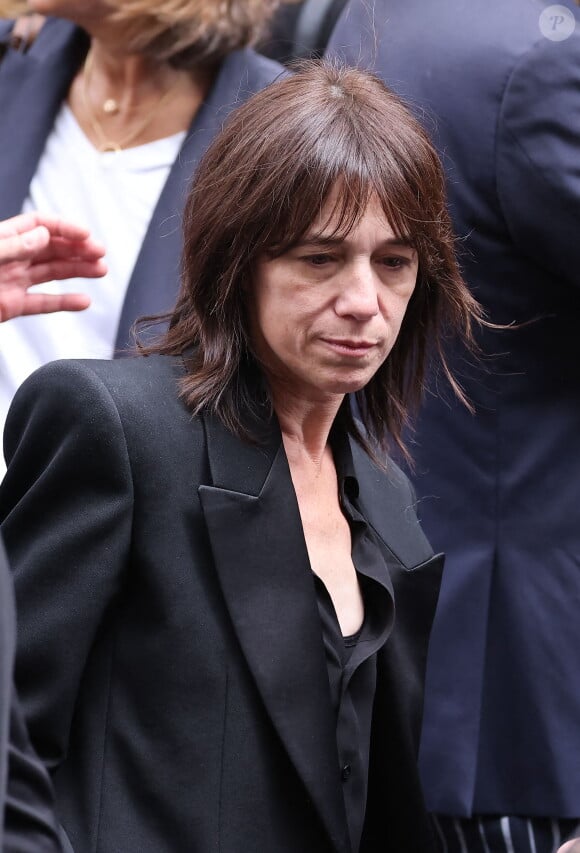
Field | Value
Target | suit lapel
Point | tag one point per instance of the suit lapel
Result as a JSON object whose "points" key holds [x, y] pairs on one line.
{"points": [[415, 574], [391, 512], [33, 87], [261, 559]]}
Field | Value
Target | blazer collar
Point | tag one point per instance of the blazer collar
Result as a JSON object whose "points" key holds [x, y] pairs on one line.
{"points": [[387, 502], [32, 88], [261, 559]]}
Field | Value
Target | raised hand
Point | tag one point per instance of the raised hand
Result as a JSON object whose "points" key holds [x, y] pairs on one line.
{"points": [[35, 248]]}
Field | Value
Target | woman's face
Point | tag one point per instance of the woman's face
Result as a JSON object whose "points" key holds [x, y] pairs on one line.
{"points": [[326, 314]]}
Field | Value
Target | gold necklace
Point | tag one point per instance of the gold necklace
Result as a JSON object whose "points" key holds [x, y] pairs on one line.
{"points": [[111, 106]]}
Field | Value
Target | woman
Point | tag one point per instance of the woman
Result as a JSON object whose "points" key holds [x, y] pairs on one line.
{"points": [[113, 105], [224, 601]]}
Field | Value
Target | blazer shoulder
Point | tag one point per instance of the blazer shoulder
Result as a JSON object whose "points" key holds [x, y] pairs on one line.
{"points": [[130, 408], [140, 370], [537, 135], [138, 389], [6, 27], [51, 36], [264, 68], [251, 71]]}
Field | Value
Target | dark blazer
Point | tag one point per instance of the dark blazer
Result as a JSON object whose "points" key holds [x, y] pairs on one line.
{"points": [[301, 30], [500, 490], [32, 88], [27, 820], [170, 659]]}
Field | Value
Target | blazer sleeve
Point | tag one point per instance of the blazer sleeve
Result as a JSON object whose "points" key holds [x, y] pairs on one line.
{"points": [[30, 824], [66, 512], [538, 164]]}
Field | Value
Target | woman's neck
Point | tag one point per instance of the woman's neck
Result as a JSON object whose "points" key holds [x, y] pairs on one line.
{"points": [[131, 78], [305, 427]]}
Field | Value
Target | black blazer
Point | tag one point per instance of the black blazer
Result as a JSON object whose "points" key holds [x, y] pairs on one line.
{"points": [[27, 820], [32, 88], [170, 658]]}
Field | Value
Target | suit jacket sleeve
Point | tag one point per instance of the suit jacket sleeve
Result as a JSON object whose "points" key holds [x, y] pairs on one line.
{"points": [[30, 825], [66, 512], [538, 171], [27, 820]]}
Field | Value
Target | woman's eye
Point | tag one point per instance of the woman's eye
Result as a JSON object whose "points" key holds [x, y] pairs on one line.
{"points": [[318, 260], [395, 262]]}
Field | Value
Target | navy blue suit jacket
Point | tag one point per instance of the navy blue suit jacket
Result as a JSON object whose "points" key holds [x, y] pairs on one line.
{"points": [[32, 88], [500, 490]]}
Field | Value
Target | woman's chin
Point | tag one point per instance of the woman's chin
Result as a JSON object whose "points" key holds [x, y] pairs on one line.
{"points": [[347, 386]]}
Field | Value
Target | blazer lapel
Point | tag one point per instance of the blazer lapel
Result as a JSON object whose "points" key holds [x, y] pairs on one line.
{"points": [[415, 574], [392, 516], [33, 87], [261, 559]]}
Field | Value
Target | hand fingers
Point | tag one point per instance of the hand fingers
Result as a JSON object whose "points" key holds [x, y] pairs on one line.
{"points": [[25, 246], [59, 248], [62, 269], [48, 303], [57, 227], [18, 224], [17, 303], [21, 275], [64, 229]]}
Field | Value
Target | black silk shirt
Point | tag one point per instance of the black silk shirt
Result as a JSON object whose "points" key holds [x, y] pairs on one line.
{"points": [[351, 661]]}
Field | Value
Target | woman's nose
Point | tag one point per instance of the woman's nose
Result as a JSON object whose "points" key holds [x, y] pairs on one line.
{"points": [[357, 295]]}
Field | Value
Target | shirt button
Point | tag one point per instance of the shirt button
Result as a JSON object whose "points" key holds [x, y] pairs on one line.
{"points": [[346, 771]]}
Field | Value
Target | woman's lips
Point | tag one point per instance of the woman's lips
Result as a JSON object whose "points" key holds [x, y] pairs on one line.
{"points": [[349, 347]]}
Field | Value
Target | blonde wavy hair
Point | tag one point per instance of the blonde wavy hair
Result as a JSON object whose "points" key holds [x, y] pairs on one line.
{"points": [[192, 33], [12, 8]]}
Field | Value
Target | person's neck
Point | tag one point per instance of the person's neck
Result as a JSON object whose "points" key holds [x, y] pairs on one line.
{"points": [[131, 79], [122, 100]]}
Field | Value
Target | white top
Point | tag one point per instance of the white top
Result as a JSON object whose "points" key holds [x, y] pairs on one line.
{"points": [[114, 195]]}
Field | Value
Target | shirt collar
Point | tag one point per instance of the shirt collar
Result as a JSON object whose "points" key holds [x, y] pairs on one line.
{"points": [[344, 464]]}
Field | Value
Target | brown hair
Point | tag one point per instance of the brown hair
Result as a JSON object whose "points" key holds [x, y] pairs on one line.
{"points": [[261, 185], [192, 33]]}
